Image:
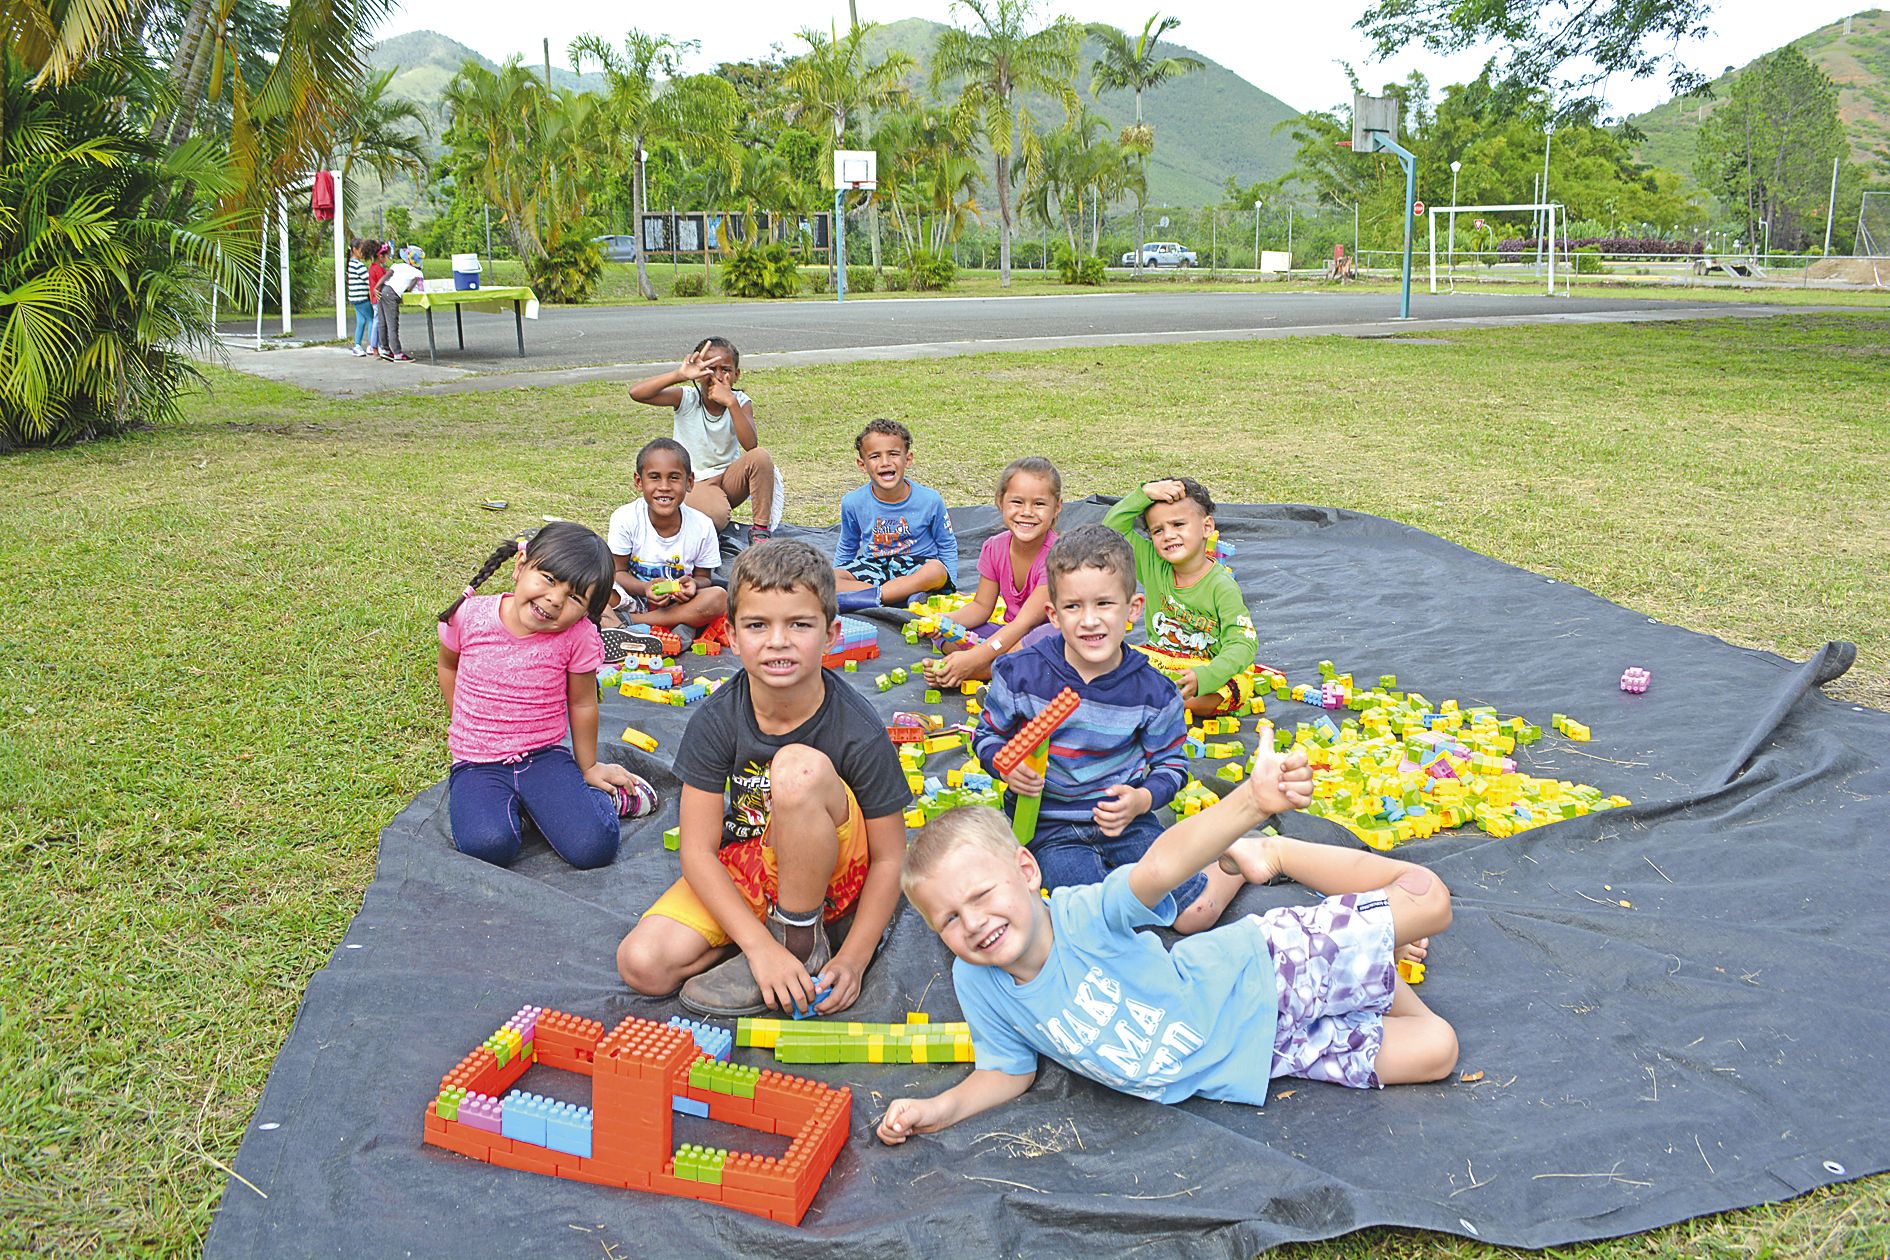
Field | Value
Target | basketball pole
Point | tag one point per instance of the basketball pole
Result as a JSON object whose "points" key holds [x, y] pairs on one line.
{"points": [[839, 243]]}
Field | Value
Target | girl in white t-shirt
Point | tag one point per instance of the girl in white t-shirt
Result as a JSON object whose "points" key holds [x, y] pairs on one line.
{"points": [[665, 551], [715, 423]]}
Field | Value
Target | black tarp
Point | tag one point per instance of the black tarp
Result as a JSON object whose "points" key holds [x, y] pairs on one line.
{"points": [[1718, 1044]]}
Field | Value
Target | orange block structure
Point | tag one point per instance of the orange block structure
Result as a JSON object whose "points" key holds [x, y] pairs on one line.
{"points": [[640, 1072]]}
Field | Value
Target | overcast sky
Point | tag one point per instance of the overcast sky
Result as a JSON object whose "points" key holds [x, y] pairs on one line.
{"points": [[1291, 51]]}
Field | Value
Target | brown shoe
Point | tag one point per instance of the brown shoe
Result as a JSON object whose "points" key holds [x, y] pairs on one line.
{"points": [[729, 991]]}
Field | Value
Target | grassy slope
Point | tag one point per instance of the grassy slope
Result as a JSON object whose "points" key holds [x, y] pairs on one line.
{"points": [[217, 682], [1860, 65]]}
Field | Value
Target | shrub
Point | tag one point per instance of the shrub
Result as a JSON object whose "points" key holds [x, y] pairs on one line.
{"points": [[765, 270], [690, 284], [895, 280], [1588, 262], [568, 273], [862, 279], [927, 270], [816, 280], [1078, 270]]}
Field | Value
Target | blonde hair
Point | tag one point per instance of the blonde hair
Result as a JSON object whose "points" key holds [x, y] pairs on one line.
{"points": [[967, 826]]}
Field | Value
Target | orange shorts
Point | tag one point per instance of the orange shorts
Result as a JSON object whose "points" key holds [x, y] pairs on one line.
{"points": [[751, 865]]}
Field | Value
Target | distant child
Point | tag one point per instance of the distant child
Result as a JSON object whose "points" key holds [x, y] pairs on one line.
{"points": [[895, 539], [661, 539], [360, 297], [518, 671], [715, 422], [1010, 567], [402, 277], [1306, 991], [1199, 632], [811, 828], [377, 254], [1119, 757]]}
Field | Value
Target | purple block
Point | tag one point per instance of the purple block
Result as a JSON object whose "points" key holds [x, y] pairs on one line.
{"points": [[481, 1111]]}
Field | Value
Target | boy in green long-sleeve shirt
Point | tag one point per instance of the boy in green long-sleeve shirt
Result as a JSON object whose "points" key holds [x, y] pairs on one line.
{"points": [[1199, 632]]}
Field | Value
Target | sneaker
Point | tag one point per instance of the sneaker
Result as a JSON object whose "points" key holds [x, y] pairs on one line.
{"points": [[619, 643], [729, 991], [358, 352], [759, 534], [402, 357], [639, 800]]}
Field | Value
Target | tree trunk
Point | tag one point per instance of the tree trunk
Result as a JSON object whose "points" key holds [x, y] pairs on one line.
{"points": [[1004, 220], [190, 95], [1141, 232], [190, 49], [636, 224]]}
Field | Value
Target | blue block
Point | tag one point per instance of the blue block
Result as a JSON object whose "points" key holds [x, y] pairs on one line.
{"points": [[820, 995], [523, 1117], [568, 1129], [688, 1106], [714, 1041]]}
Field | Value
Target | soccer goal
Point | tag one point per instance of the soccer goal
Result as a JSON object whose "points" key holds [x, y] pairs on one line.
{"points": [[1873, 225], [1550, 214]]}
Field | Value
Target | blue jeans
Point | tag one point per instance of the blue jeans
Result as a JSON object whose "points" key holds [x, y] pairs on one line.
{"points": [[1079, 853], [364, 323], [489, 803]]}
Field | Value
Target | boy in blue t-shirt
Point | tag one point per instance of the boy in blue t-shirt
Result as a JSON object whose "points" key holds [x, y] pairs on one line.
{"points": [[1309, 991], [895, 539]]}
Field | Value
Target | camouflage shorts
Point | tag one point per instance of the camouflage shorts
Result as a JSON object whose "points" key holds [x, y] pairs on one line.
{"points": [[1336, 975]]}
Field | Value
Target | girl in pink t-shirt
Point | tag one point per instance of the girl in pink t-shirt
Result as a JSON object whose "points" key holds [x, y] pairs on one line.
{"points": [[518, 671], [1010, 566]]}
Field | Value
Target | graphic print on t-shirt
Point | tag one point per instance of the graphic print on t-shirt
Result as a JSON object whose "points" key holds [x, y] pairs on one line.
{"points": [[891, 536], [656, 568], [749, 804], [1182, 630], [1127, 1045]]}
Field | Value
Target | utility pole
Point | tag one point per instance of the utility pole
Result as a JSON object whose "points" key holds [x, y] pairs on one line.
{"points": [[1830, 209]]}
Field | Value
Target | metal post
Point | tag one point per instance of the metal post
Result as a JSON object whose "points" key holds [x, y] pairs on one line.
{"points": [[1452, 246], [1432, 223], [262, 273], [282, 244], [215, 285], [488, 210], [1830, 209], [1256, 236], [839, 235], [341, 265], [1548, 215], [1409, 161], [1289, 240]]}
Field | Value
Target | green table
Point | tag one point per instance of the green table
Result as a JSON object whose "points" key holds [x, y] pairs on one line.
{"points": [[491, 299]]}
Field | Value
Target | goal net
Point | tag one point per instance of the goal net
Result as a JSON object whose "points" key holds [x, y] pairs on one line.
{"points": [[1461, 235], [1873, 225]]}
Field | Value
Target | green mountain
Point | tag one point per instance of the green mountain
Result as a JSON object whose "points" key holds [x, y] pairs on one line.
{"points": [[1208, 125], [1854, 51]]}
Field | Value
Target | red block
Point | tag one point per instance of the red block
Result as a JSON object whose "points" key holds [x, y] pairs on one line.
{"points": [[1035, 732]]}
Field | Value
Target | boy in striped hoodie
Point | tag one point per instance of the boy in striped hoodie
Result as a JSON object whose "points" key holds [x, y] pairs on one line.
{"points": [[1119, 756]]}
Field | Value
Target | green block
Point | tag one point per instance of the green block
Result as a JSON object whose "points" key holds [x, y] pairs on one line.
{"points": [[710, 1169], [672, 839], [932, 697], [899, 675], [851, 667]]}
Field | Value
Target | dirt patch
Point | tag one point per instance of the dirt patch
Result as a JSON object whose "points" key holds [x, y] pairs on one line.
{"points": [[1871, 271]]}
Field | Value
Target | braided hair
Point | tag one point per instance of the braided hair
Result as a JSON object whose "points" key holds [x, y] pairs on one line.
{"points": [[564, 551]]}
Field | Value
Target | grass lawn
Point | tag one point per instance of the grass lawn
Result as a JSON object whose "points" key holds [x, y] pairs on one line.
{"points": [[218, 650]]}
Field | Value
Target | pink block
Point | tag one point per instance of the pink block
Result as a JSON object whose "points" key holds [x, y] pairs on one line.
{"points": [[481, 1111]]}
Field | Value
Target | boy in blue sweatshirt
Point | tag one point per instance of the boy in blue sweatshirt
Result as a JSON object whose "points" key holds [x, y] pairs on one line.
{"points": [[895, 539], [1119, 756]]}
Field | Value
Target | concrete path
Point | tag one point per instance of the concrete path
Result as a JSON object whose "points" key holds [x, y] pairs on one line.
{"points": [[623, 343]]}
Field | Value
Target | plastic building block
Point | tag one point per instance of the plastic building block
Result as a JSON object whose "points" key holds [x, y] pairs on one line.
{"points": [[1411, 971], [915, 1041], [638, 739], [688, 1106], [898, 675], [1635, 679], [638, 1071], [882, 682], [932, 696], [1032, 744], [672, 839], [712, 1039], [808, 1012], [665, 586]]}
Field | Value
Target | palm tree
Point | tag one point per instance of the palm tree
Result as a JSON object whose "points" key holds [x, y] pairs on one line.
{"points": [[928, 180], [491, 118], [106, 290], [382, 132], [1132, 65], [833, 79], [697, 113], [55, 39], [1061, 175], [997, 60]]}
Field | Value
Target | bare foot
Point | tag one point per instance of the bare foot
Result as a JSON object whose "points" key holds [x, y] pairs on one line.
{"points": [[1415, 951], [1251, 858]]}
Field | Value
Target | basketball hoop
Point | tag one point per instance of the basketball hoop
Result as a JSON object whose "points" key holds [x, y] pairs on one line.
{"points": [[855, 168]]}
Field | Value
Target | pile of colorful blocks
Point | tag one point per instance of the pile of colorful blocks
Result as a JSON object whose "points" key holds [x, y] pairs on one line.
{"points": [[916, 1041]]}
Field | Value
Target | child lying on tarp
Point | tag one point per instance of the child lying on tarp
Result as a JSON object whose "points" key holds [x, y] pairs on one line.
{"points": [[1073, 979]]}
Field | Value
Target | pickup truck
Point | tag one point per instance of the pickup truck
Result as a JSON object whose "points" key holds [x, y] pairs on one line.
{"points": [[1162, 254]]}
